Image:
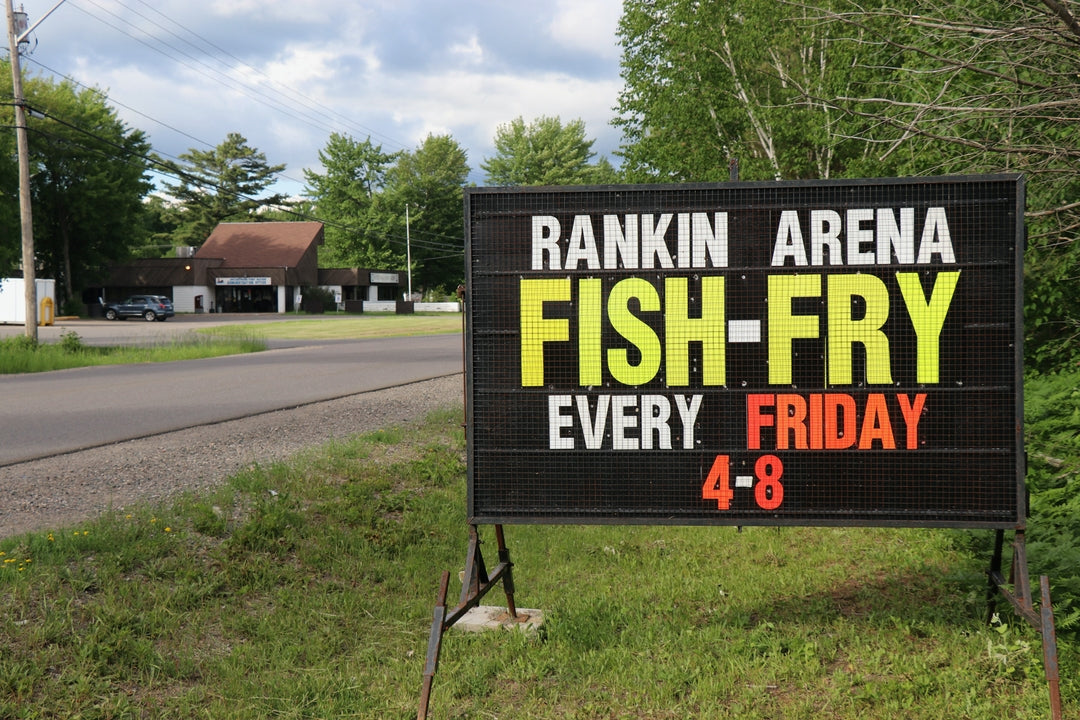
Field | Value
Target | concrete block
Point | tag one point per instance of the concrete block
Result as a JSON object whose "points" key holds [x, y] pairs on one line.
{"points": [[491, 617]]}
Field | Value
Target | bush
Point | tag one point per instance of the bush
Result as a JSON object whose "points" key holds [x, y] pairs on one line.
{"points": [[317, 299], [20, 343], [1052, 420], [70, 342], [440, 294], [73, 306]]}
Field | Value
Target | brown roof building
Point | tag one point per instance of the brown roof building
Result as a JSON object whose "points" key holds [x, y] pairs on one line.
{"points": [[250, 267]]}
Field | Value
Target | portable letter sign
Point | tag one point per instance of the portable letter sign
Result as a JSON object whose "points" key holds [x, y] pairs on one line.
{"points": [[797, 353]]}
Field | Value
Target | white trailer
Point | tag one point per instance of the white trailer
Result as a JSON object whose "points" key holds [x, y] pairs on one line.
{"points": [[13, 299]]}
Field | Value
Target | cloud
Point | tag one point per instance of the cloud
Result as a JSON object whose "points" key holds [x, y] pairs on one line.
{"points": [[286, 74], [587, 25], [469, 51]]}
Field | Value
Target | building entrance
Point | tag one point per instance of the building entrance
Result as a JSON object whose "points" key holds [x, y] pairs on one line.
{"points": [[249, 299]]}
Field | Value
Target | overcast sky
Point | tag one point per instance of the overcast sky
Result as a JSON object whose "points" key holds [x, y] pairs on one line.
{"points": [[287, 73]]}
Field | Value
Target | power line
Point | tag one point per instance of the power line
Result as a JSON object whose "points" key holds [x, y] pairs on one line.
{"points": [[173, 171], [211, 73], [309, 119], [104, 95], [306, 99], [427, 240], [73, 81], [296, 110], [178, 174]]}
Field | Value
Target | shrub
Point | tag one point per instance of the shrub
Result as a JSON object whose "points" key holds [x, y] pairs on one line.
{"points": [[1052, 418], [70, 342]]}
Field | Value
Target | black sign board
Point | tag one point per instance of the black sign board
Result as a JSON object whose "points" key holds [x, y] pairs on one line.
{"points": [[794, 353]]}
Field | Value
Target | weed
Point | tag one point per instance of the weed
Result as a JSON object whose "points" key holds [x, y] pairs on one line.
{"points": [[275, 525], [70, 342], [1014, 654]]}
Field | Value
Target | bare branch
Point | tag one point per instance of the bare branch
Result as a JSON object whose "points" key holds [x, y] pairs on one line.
{"points": [[1066, 17]]}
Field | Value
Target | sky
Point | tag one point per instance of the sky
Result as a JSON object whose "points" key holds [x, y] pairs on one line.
{"points": [[287, 74]]}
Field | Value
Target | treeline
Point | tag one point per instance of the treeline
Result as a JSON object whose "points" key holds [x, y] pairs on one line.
{"points": [[95, 205], [841, 88], [783, 90]]}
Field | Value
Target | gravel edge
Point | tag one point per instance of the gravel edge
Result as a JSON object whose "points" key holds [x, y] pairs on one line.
{"points": [[66, 489]]}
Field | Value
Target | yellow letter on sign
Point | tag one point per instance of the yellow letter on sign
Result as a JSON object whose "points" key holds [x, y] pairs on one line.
{"points": [[535, 329], [635, 330], [784, 326], [845, 331], [681, 329], [928, 318]]}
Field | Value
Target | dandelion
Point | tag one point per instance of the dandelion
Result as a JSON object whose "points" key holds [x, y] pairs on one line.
{"points": [[168, 529], [51, 538]]}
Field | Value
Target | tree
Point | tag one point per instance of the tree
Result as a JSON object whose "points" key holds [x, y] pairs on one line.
{"points": [[430, 181], [89, 175], [543, 152], [344, 197], [220, 185], [984, 86], [845, 88], [10, 230], [711, 83], [160, 221]]}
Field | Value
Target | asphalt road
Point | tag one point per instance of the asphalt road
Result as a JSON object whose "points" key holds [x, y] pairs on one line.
{"points": [[51, 413]]}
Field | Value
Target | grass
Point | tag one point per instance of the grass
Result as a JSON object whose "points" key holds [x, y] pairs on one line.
{"points": [[305, 590], [352, 327], [21, 355]]}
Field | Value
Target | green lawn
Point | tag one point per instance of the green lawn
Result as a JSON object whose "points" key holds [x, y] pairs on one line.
{"points": [[305, 590], [18, 355], [345, 327]]}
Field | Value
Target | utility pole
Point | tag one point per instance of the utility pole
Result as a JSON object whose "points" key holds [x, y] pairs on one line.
{"points": [[23, 149], [17, 34], [408, 248]]}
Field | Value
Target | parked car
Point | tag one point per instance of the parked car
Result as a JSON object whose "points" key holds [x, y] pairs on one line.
{"points": [[148, 307]]}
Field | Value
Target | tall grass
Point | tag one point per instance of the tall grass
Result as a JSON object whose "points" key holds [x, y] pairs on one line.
{"points": [[22, 355], [305, 590]]}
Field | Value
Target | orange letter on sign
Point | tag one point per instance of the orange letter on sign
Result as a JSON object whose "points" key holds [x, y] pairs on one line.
{"points": [[839, 406], [912, 413], [876, 424], [790, 418], [755, 420]]}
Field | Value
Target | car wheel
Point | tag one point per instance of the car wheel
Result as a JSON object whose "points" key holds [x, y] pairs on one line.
{"points": [[110, 314], [149, 316]]}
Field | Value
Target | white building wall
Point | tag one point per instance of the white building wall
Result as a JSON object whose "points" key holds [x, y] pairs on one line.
{"points": [[13, 299], [391, 306], [184, 298]]}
